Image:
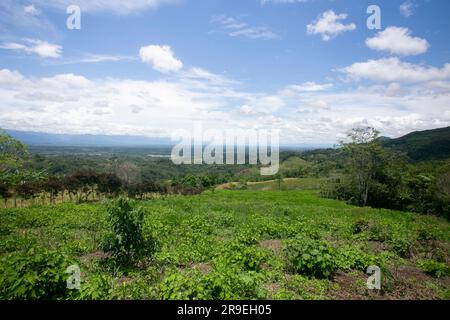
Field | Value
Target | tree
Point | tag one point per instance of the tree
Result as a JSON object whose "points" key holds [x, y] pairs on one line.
{"points": [[129, 173], [110, 184], [12, 152], [5, 192], [361, 150]]}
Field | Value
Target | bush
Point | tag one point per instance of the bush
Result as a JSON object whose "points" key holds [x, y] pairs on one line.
{"points": [[351, 258], [313, 258], [360, 226], [401, 245], [126, 241], [238, 255], [434, 268], [39, 274], [222, 284], [98, 287]]}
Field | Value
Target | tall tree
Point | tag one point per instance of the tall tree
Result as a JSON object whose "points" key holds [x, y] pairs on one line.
{"points": [[361, 149], [12, 152]]}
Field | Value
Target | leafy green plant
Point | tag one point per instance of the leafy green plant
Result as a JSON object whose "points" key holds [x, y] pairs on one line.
{"points": [[360, 225], [352, 258], [237, 255], [37, 274], [98, 287], [222, 284], [434, 268], [313, 258], [126, 241], [190, 285], [401, 244]]}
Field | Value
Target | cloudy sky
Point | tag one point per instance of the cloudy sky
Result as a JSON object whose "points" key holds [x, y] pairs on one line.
{"points": [[310, 68]]}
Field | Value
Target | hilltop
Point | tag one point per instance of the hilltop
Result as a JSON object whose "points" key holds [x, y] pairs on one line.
{"points": [[423, 145]]}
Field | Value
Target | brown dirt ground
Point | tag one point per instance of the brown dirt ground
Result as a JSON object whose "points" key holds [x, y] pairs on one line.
{"points": [[406, 283], [274, 245]]}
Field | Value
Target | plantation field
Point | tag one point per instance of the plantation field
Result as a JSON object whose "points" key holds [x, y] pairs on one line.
{"points": [[275, 185], [228, 245], [286, 184]]}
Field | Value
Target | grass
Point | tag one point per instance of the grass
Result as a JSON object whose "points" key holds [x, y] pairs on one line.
{"points": [[286, 184], [238, 245]]}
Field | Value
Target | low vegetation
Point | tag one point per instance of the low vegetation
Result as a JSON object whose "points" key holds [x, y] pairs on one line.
{"points": [[222, 245]]}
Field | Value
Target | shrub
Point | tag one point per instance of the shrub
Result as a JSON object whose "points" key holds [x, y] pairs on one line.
{"points": [[178, 286], [222, 284], [98, 287], [434, 268], [126, 240], [240, 256], [360, 226], [351, 258], [38, 274], [310, 257], [400, 244]]}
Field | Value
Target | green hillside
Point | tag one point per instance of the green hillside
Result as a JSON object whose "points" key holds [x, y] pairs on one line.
{"points": [[423, 145], [229, 245]]}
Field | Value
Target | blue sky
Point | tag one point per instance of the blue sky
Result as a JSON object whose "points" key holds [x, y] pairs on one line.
{"points": [[309, 68]]}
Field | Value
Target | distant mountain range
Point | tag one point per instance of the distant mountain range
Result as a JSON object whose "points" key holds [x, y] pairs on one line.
{"points": [[85, 140], [422, 145]]}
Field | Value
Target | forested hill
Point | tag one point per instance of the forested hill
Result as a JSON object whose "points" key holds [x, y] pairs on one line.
{"points": [[423, 145]]}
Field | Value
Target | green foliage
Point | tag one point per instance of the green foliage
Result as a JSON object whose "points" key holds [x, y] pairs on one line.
{"points": [[401, 244], [434, 268], [231, 245], [360, 226], [221, 284], [126, 241], [313, 258], [361, 152], [12, 152], [98, 287], [299, 287], [240, 256], [36, 274], [352, 258], [423, 145]]}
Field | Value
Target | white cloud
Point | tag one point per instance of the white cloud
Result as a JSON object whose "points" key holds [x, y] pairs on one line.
{"points": [[408, 8], [31, 10], [263, 105], [398, 41], [235, 27], [295, 89], [33, 46], [119, 7], [391, 90], [328, 25], [394, 70], [73, 103], [438, 87], [93, 58], [200, 75], [67, 81], [136, 109], [10, 77], [161, 58], [314, 106], [18, 17]]}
